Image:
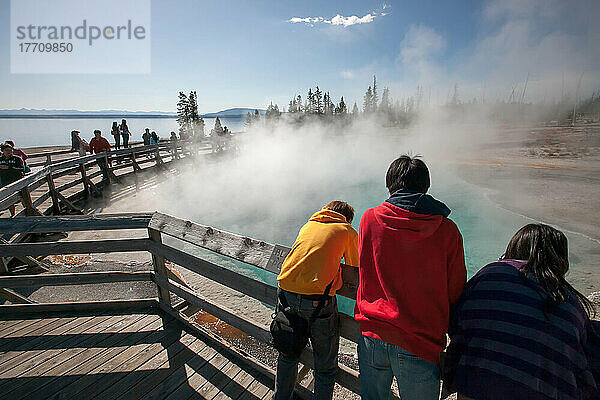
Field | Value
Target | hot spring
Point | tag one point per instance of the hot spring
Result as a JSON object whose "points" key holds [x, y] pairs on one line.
{"points": [[277, 180]]}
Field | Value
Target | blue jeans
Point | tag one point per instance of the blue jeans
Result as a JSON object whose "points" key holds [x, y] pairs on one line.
{"points": [[379, 362], [325, 340]]}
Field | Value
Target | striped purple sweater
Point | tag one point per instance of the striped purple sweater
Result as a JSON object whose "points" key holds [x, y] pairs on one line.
{"points": [[504, 345]]}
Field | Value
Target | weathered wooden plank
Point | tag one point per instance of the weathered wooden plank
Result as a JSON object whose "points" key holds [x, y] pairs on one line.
{"points": [[69, 185], [76, 278], [74, 223], [236, 387], [241, 248], [258, 253], [158, 262], [220, 312], [26, 386], [92, 372], [15, 326], [9, 200], [67, 171], [19, 362], [23, 183], [14, 297], [196, 373], [48, 359], [132, 357], [30, 336], [74, 247], [41, 199], [248, 286], [87, 306], [163, 366], [73, 371], [220, 344], [223, 378]]}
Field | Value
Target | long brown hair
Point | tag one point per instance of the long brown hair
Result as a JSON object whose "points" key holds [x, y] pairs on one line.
{"points": [[546, 252]]}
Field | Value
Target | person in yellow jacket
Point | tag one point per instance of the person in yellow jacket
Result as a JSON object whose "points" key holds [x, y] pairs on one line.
{"points": [[308, 281]]}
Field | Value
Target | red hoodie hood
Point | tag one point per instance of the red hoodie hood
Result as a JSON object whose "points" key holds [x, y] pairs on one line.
{"points": [[416, 226]]}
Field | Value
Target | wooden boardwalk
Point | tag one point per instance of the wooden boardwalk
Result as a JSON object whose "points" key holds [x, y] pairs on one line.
{"points": [[119, 356]]}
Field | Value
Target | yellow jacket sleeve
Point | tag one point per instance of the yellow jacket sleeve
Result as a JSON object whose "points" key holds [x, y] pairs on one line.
{"points": [[351, 253]]}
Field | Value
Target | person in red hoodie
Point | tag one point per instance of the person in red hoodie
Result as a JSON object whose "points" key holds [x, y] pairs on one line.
{"points": [[412, 269], [98, 144]]}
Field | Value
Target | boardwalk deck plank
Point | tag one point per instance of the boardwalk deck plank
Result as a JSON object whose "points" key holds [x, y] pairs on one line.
{"points": [[78, 366], [57, 365], [90, 372], [18, 363], [163, 360], [121, 356], [196, 376]]}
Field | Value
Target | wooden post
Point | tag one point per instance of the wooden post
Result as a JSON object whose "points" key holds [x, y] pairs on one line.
{"points": [[159, 267], [159, 161], [53, 194], [136, 166], [48, 159], [3, 266], [30, 210], [86, 185]]}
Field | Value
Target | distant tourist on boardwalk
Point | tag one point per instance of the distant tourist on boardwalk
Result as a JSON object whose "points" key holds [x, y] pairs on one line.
{"points": [[520, 330], [19, 153], [173, 137], [11, 169], [115, 131], [74, 141], [146, 137], [125, 133], [306, 305], [154, 138], [412, 269], [99, 144]]}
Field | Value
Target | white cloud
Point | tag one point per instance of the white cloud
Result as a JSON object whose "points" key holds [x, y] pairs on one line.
{"points": [[338, 20], [347, 74]]}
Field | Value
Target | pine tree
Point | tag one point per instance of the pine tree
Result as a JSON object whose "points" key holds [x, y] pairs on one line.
{"points": [[194, 119], [341, 109], [385, 105], [368, 101], [183, 113], [355, 110], [375, 98], [218, 129], [318, 101], [272, 112], [249, 120], [310, 109], [299, 103]]}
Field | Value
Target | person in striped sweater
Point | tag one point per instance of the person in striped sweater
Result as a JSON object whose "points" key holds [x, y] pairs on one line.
{"points": [[520, 329]]}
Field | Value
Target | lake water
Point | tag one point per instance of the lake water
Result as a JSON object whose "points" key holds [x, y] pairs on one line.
{"points": [[34, 132]]}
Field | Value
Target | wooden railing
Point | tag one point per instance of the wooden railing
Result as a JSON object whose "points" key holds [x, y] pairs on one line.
{"points": [[257, 253], [83, 171]]}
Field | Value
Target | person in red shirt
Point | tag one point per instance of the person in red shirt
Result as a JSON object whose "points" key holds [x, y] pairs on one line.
{"points": [[412, 269], [98, 144]]}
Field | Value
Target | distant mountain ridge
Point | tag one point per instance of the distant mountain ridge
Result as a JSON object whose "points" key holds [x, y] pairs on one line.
{"points": [[43, 113], [233, 112]]}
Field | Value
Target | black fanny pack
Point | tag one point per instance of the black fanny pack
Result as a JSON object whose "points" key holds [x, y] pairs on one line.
{"points": [[289, 331]]}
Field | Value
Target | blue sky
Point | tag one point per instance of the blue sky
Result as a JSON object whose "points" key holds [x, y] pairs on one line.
{"points": [[248, 53]]}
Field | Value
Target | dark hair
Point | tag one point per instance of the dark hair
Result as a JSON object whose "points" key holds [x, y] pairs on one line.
{"points": [[97, 131], [407, 172], [546, 253], [10, 142], [5, 146], [343, 208]]}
